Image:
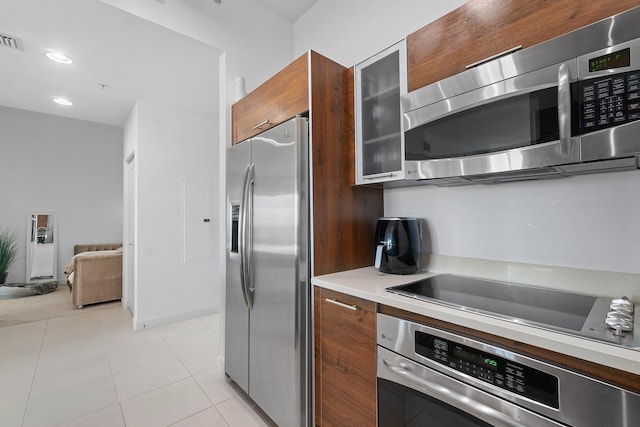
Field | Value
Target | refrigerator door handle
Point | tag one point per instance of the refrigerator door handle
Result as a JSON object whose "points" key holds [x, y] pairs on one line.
{"points": [[248, 237], [241, 235]]}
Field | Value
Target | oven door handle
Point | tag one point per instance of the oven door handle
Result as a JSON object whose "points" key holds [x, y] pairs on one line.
{"points": [[465, 403]]}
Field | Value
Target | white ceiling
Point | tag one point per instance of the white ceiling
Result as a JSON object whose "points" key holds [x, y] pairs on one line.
{"points": [[134, 58], [290, 9]]}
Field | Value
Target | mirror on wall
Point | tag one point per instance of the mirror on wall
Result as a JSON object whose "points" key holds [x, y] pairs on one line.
{"points": [[41, 247]]}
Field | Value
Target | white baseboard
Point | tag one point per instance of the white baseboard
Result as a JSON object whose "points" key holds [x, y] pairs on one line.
{"points": [[140, 324]]}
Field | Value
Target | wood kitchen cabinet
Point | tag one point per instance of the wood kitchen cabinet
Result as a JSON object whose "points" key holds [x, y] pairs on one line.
{"points": [[380, 81], [344, 216], [345, 359], [277, 100], [482, 28]]}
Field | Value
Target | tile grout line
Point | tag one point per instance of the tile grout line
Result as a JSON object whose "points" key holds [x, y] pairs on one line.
{"points": [[103, 329], [95, 313], [192, 376], [113, 380], [35, 371], [177, 356]]}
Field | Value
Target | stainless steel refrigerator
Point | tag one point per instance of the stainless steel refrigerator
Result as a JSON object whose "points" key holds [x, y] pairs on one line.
{"points": [[267, 310]]}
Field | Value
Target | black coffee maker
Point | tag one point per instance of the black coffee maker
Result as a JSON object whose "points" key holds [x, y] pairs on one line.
{"points": [[397, 245]]}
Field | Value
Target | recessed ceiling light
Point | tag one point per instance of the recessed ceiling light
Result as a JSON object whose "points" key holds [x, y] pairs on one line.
{"points": [[58, 57], [62, 101]]}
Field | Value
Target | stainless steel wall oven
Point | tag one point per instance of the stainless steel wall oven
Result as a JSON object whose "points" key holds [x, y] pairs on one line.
{"points": [[432, 377]]}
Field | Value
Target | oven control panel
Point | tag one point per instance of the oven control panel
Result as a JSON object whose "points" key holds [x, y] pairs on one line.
{"points": [[505, 374], [609, 101]]}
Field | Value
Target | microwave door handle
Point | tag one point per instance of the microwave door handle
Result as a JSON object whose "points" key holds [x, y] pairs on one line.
{"points": [[564, 109]]}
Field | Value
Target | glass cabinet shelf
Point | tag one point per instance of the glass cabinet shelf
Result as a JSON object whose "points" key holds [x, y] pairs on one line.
{"points": [[391, 136], [393, 90]]}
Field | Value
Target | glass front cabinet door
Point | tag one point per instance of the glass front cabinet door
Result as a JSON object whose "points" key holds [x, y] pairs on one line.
{"points": [[379, 83]]}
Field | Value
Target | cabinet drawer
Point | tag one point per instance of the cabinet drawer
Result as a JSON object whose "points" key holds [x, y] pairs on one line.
{"points": [[348, 360], [277, 100], [480, 29]]}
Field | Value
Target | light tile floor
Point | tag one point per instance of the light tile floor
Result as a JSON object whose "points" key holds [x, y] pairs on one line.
{"points": [[90, 369]]}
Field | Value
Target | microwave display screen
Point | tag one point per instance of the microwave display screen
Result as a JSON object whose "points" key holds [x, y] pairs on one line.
{"points": [[619, 59]]}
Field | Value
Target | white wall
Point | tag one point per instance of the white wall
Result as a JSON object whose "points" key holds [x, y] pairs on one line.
{"points": [[582, 222], [258, 43], [587, 222], [171, 146], [253, 45], [129, 214], [67, 166], [351, 31]]}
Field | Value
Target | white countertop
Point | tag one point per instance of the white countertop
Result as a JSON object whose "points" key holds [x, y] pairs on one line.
{"points": [[370, 284]]}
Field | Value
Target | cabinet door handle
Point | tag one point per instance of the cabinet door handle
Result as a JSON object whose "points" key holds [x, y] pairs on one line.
{"points": [[259, 125], [497, 55], [341, 304], [382, 175]]}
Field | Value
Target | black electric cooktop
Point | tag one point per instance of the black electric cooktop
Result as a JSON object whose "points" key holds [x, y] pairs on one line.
{"points": [[543, 306]]}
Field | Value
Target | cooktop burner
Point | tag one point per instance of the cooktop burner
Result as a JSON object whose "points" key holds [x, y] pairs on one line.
{"points": [[573, 313]]}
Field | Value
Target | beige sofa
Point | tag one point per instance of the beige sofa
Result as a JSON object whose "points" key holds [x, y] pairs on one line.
{"points": [[95, 274]]}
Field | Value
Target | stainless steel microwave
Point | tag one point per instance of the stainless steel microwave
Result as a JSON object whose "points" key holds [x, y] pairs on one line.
{"points": [[567, 106]]}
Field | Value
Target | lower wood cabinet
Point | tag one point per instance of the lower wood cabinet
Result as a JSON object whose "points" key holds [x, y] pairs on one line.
{"points": [[345, 359]]}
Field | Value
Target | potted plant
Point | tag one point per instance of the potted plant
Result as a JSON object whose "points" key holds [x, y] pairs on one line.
{"points": [[8, 253]]}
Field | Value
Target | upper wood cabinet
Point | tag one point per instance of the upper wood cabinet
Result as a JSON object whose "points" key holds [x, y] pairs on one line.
{"points": [[277, 100], [481, 29], [380, 81]]}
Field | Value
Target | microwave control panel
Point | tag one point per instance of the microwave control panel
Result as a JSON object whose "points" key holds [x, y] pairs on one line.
{"points": [[498, 371], [608, 101]]}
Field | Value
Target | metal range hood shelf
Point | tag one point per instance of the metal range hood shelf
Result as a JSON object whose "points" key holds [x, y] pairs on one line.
{"points": [[572, 314], [613, 165]]}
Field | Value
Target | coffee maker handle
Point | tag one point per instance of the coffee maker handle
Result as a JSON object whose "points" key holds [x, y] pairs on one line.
{"points": [[378, 256]]}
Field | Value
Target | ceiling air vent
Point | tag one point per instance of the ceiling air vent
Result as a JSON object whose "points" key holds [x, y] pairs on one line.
{"points": [[8, 41]]}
